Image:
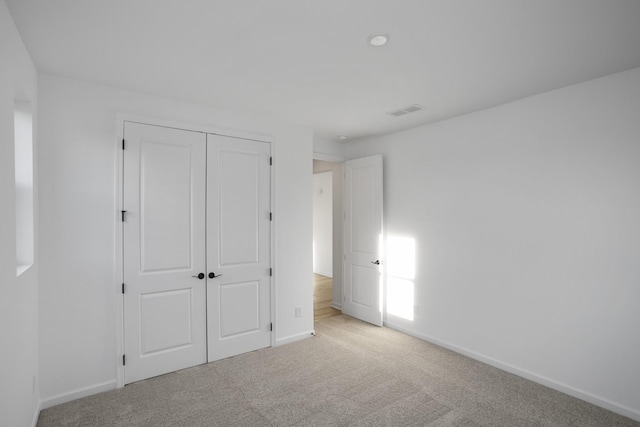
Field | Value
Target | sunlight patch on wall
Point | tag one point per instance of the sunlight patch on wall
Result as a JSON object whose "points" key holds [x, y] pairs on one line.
{"points": [[401, 269], [400, 295]]}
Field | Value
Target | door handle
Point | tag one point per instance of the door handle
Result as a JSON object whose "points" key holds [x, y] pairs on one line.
{"points": [[199, 276], [376, 262], [213, 275]]}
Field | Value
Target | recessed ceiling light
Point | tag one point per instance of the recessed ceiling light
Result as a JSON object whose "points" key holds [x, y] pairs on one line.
{"points": [[378, 39], [342, 137]]}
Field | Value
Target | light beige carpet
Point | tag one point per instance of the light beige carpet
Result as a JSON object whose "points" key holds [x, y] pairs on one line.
{"points": [[351, 374]]}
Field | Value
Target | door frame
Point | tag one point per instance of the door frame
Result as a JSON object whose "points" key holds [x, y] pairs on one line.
{"points": [[343, 160], [118, 273], [338, 249]]}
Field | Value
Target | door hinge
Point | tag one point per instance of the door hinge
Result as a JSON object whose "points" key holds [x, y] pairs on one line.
{"points": [[124, 360], [122, 213], [123, 288], [270, 161], [271, 326], [271, 272], [270, 216], [123, 143]]}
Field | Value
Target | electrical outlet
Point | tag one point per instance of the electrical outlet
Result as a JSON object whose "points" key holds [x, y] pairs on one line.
{"points": [[298, 311]]}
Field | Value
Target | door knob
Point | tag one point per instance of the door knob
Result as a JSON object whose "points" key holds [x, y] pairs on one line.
{"points": [[213, 275], [199, 276], [376, 262]]}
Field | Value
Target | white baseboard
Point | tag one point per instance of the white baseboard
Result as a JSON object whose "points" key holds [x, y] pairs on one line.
{"points": [[294, 338], [77, 394], [324, 273], [548, 382], [336, 306]]}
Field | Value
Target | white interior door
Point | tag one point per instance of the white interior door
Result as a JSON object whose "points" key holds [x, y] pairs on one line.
{"points": [[163, 249], [363, 239], [238, 246]]}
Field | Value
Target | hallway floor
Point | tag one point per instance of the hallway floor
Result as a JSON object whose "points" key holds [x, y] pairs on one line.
{"points": [[323, 297]]}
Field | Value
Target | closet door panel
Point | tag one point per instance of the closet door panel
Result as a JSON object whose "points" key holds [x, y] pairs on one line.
{"points": [[163, 249], [238, 246], [239, 210]]}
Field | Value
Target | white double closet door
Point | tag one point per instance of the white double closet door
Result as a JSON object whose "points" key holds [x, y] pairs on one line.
{"points": [[196, 248]]}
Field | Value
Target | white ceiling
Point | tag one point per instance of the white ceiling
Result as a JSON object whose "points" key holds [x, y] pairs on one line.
{"points": [[307, 61]]}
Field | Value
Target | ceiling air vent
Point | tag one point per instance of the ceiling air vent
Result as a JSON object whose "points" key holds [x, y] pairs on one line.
{"points": [[406, 110]]}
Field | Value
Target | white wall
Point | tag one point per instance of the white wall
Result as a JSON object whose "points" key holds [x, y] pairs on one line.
{"points": [[326, 149], [527, 235], [19, 398], [337, 172], [323, 223], [79, 292]]}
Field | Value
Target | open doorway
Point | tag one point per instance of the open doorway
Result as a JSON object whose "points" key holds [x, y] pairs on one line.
{"points": [[327, 238]]}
